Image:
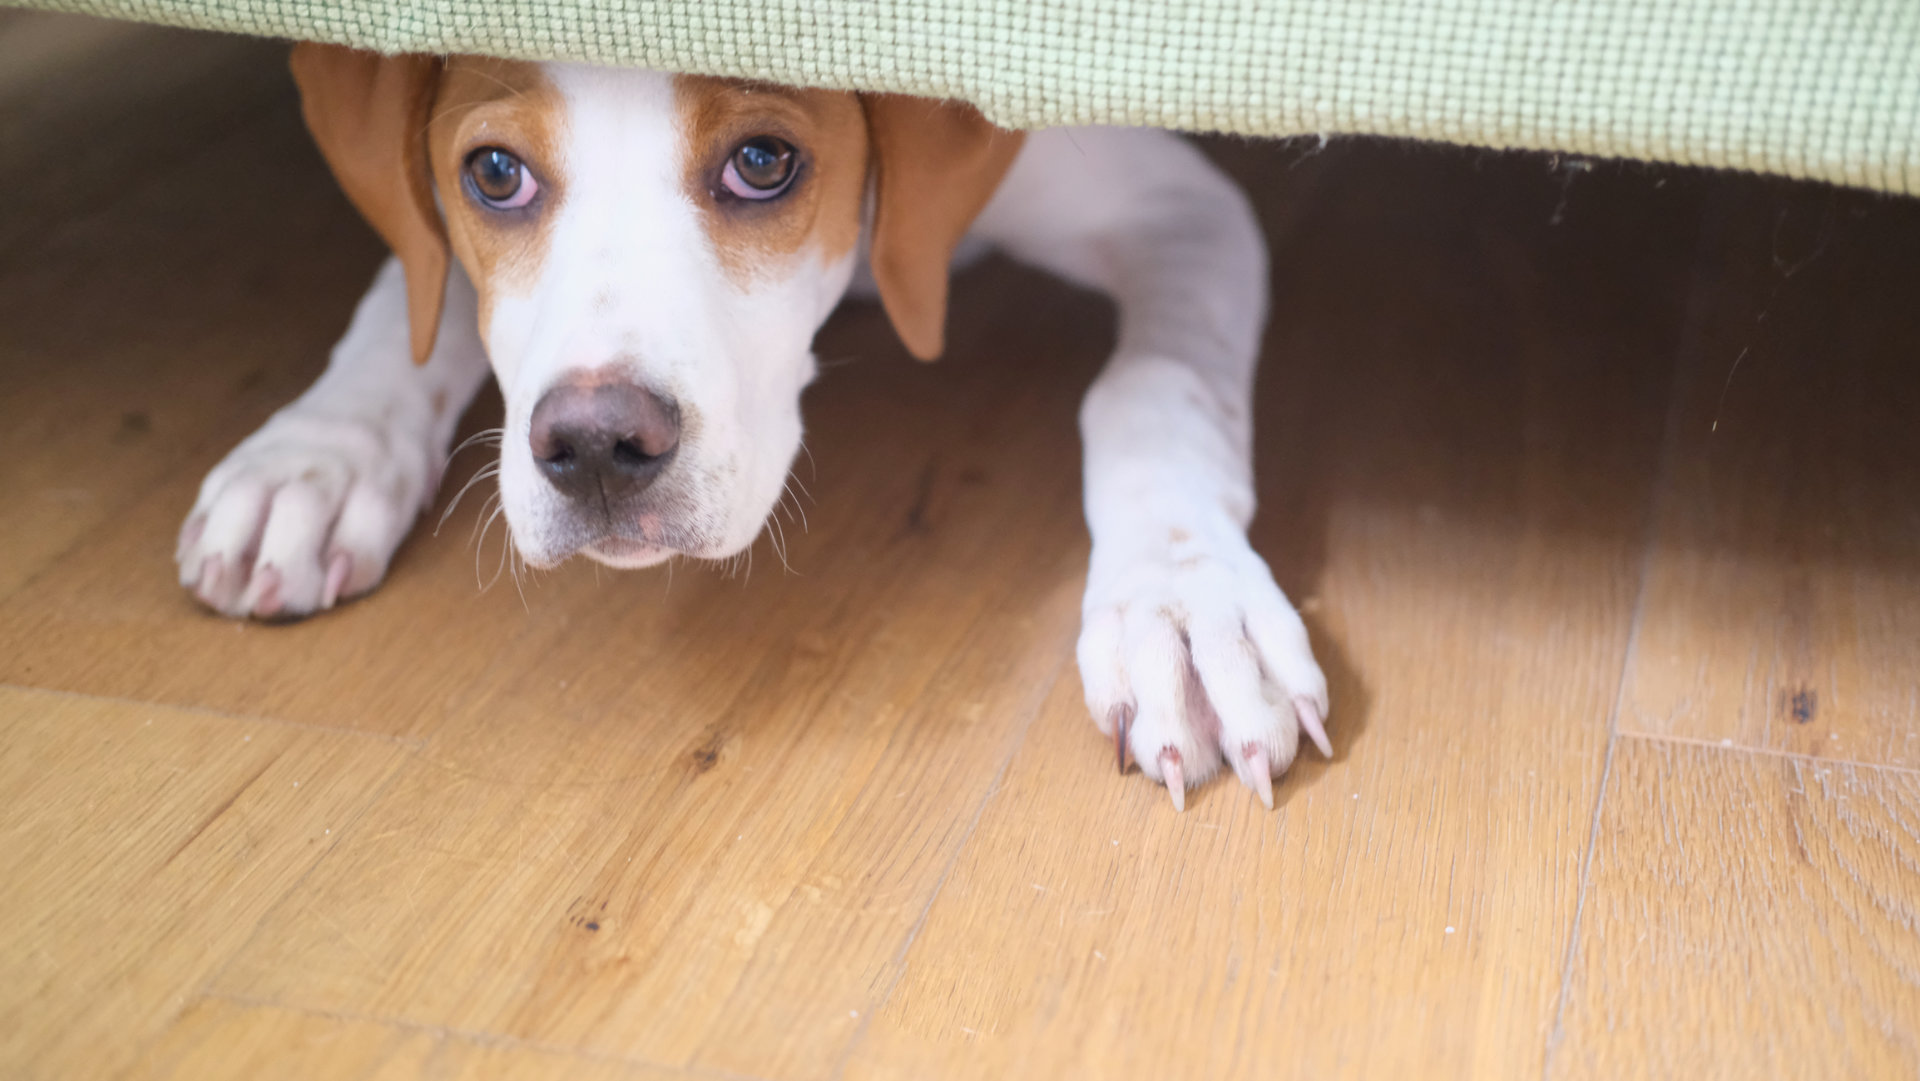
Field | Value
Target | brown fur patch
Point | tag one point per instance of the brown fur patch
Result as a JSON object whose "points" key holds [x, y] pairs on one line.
{"points": [[507, 104], [821, 213]]}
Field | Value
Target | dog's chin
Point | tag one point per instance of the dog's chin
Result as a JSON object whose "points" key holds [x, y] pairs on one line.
{"points": [[647, 541], [627, 554]]}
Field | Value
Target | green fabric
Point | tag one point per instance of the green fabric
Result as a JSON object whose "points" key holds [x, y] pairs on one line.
{"points": [[1824, 89]]}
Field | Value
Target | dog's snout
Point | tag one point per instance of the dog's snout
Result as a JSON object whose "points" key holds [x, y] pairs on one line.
{"points": [[598, 441]]}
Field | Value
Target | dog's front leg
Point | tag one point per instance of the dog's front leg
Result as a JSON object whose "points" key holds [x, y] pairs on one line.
{"points": [[1189, 653], [309, 509]]}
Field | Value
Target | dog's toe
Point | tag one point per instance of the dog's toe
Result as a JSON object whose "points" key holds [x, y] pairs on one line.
{"points": [[297, 519], [1193, 662]]}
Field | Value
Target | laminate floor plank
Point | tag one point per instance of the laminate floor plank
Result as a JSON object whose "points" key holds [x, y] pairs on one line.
{"points": [[1462, 405], [1783, 610], [1749, 915], [142, 846]]}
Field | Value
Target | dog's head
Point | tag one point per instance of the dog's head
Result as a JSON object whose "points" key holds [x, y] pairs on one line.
{"points": [[653, 255]]}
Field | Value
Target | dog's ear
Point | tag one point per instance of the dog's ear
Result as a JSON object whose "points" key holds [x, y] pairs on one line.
{"points": [[935, 166], [369, 115]]}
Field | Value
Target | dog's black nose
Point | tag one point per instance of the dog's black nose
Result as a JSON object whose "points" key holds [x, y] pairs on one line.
{"points": [[603, 440]]}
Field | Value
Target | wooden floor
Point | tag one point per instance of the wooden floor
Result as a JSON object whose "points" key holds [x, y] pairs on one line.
{"points": [[1599, 487]]}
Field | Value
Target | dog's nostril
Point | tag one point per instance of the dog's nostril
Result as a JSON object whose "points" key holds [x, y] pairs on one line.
{"points": [[604, 439], [628, 453]]}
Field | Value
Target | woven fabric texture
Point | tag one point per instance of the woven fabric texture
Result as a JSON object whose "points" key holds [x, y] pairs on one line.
{"points": [[1820, 89]]}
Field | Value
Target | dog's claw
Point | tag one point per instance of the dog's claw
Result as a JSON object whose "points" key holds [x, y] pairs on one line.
{"points": [[1121, 720], [1313, 725], [1259, 774], [338, 568], [267, 600], [1176, 779], [209, 578]]}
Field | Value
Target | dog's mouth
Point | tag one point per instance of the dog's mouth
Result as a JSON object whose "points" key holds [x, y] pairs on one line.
{"points": [[626, 552], [646, 542]]}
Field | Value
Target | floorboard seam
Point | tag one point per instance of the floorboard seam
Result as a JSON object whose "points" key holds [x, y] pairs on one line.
{"points": [[1657, 496], [899, 962]]}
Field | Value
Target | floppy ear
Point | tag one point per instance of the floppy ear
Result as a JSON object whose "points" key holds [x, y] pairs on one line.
{"points": [[369, 115], [935, 166]]}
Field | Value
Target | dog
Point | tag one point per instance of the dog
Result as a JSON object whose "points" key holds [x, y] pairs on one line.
{"points": [[642, 259]]}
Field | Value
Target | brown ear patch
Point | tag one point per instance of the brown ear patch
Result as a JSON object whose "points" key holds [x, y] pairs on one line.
{"points": [[368, 114], [509, 104], [936, 164], [820, 213]]}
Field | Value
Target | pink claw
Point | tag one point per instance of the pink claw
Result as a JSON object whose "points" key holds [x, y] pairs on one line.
{"points": [[1176, 780], [1259, 774], [210, 570], [1311, 723], [267, 601], [338, 568]]}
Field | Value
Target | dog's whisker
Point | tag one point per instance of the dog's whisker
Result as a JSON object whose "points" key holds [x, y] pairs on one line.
{"points": [[797, 508], [811, 464], [794, 479], [777, 536], [486, 473], [449, 110], [485, 528], [478, 534], [516, 91], [506, 547], [515, 565], [486, 436]]}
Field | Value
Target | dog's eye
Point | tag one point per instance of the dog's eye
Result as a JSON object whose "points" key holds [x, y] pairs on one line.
{"points": [[761, 168], [499, 179]]}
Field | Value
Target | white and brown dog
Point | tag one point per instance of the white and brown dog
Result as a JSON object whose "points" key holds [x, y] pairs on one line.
{"points": [[644, 259]]}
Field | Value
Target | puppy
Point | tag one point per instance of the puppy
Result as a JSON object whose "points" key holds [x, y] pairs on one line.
{"points": [[642, 260]]}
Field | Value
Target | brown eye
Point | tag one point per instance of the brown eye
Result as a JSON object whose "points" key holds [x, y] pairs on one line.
{"points": [[499, 179], [761, 168]]}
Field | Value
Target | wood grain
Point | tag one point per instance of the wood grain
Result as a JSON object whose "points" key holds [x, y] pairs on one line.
{"points": [[142, 846], [729, 813], [1747, 916], [1780, 601], [846, 818], [1483, 495], [197, 294], [222, 1040]]}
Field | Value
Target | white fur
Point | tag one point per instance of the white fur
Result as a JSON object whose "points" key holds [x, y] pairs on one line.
{"points": [[337, 478], [1184, 628], [1175, 595], [631, 283]]}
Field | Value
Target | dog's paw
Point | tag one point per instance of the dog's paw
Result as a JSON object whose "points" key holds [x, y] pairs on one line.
{"points": [[1191, 656], [305, 513]]}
